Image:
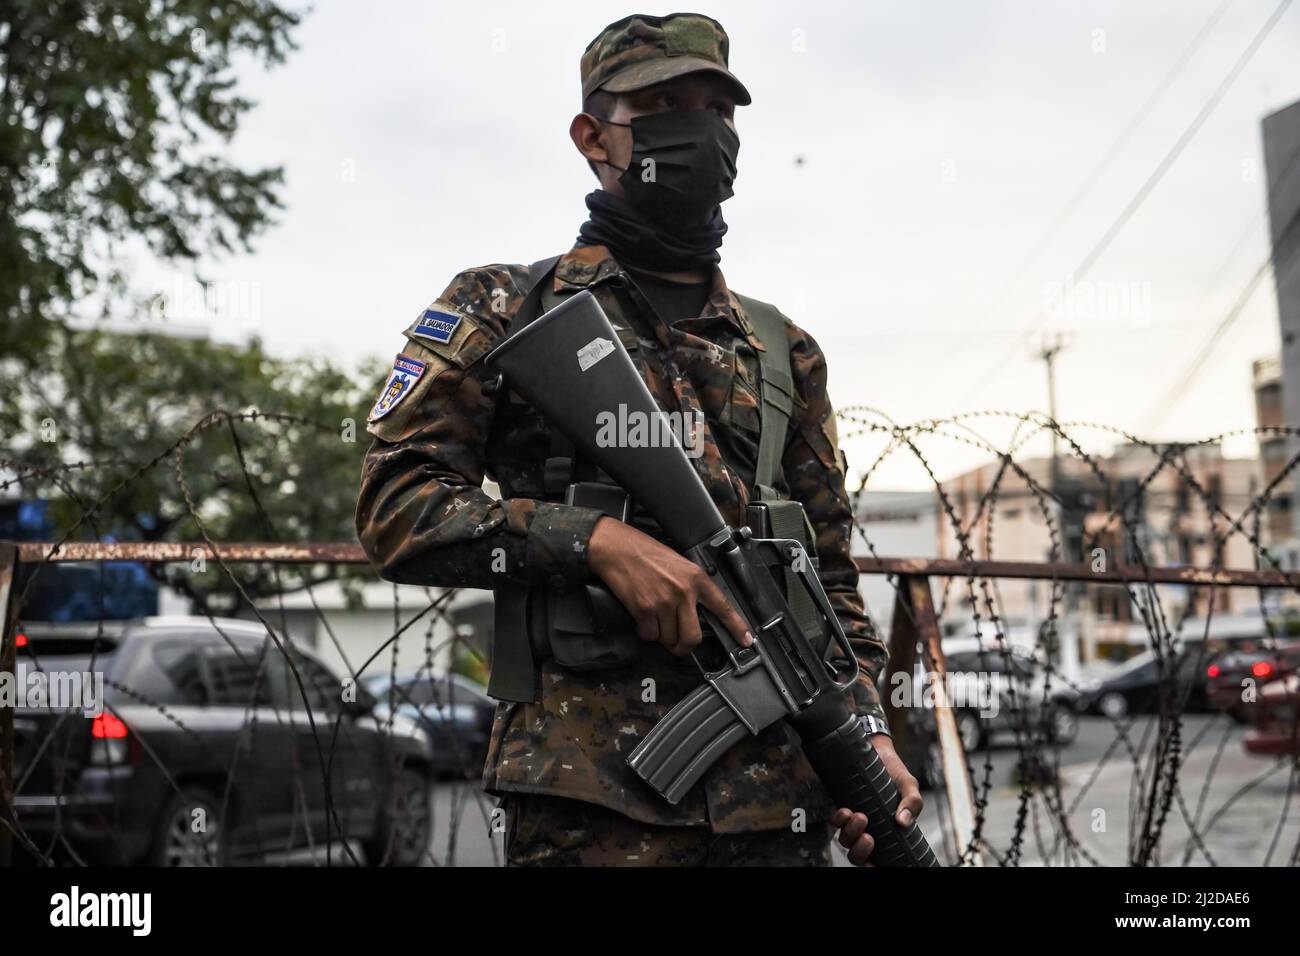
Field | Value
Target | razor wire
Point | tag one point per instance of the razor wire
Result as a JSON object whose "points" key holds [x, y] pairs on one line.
{"points": [[1043, 802], [1158, 757]]}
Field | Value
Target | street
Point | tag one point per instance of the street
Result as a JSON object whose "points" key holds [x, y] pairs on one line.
{"points": [[1238, 812], [1237, 800]]}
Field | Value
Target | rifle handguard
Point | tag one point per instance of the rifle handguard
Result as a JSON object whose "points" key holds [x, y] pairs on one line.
{"points": [[856, 778]]}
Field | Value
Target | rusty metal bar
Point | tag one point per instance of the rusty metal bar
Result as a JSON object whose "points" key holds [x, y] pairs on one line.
{"points": [[956, 778], [351, 553], [1078, 571], [275, 552]]}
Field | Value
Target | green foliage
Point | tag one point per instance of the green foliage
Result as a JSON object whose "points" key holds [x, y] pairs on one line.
{"points": [[114, 121], [113, 114], [286, 468]]}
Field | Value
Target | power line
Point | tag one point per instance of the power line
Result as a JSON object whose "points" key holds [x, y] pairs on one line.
{"points": [[1044, 241], [1164, 165], [1152, 180], [1194, 367]]}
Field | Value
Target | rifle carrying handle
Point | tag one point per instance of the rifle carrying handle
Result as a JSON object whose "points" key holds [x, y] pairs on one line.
{"points": [[855, 777]]}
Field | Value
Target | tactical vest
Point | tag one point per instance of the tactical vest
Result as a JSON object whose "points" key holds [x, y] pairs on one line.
{"points": [[586, 628]]}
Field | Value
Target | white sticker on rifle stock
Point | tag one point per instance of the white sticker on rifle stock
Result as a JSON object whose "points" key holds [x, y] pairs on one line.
{"points": [[593, 352]]}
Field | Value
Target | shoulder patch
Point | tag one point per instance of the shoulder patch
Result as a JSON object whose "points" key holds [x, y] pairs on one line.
{"points": [[401, 382], [436, 325], [450, 332]]}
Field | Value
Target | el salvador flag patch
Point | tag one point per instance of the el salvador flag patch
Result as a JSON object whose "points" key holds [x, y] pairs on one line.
{"points": [[401, 380], [438, 326]]}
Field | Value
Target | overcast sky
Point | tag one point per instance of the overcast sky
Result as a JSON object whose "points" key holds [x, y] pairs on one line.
{"points": [[898, 164]]}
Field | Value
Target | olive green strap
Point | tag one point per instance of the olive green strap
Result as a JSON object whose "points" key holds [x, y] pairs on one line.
{"points": [[777, 393], [540, 296], [516, 659], [787, 518]]}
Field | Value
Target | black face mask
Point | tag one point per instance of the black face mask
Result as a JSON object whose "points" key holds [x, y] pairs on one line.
{"points": [[638, 243], [683, 165]]}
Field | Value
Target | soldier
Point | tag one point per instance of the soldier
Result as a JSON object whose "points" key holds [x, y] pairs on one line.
{"points": [[657, 129]]}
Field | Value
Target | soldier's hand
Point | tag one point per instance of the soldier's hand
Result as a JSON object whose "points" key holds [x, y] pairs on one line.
{"points": [[659, 588], [853, 826]]}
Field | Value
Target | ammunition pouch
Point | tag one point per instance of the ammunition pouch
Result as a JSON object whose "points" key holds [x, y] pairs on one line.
{"points": [[589, 630], [582, 627], [516, 649]]}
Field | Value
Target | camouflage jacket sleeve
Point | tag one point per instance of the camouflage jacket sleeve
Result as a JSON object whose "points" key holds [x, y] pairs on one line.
{"points": [[815, 471], [423, 516]]}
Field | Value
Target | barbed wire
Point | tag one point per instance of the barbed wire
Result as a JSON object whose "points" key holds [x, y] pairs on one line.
{"points": [[1160, 778], [1044, 824]]}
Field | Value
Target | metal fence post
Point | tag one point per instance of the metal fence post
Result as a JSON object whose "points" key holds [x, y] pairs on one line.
{"points": [[902, 660], [914, 621]]}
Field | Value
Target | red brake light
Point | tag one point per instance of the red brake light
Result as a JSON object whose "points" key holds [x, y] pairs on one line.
{"points": [[22, 640], [107, 727], [1213, 670], [1262, 669]]}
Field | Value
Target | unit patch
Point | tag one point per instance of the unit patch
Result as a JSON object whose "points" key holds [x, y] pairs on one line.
{"points": [[401, 380]]}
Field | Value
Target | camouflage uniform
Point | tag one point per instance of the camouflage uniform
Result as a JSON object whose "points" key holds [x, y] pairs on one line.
{"points": [[553, 831], [424, 519]]}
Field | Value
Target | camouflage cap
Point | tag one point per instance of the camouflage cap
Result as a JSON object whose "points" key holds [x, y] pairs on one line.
{"points": [[641, 50]]}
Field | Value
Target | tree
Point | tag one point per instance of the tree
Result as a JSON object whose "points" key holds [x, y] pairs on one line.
{"points": [[276, 456], [112, 116]]}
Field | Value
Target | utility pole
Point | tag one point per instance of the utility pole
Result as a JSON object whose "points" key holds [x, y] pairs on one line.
{"points": [[1066, 650], [1048, 353]]}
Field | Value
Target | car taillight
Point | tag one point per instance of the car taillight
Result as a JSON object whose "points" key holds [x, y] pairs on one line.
{"points": [[107, 727], [1262, 669], [1213, 670], [109, 747]]}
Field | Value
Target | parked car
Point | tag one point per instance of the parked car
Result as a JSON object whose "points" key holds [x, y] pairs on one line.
{"points": [[454, 711], [203, 721], [1015, 686], [1133, 687], [1229, 673], [1277, 730]]}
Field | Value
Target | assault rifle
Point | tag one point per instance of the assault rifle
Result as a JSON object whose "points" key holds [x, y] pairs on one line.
{"points": [[571, 367]]}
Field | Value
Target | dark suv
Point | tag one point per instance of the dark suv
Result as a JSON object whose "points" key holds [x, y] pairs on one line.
{"points": [[204, 751]]}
